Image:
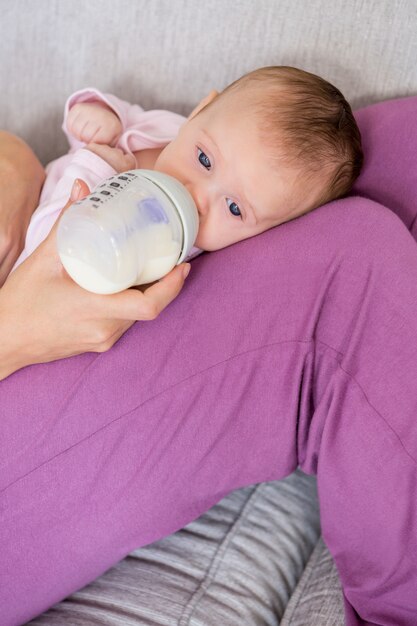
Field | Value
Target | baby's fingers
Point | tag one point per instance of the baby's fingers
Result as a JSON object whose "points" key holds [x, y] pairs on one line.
{"points": [[77, 123], [90, 131]]}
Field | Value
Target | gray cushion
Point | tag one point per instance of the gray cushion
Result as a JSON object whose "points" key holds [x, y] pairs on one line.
{"points": [[237, 564]]}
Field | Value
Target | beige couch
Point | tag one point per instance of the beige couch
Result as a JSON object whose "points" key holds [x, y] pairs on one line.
{"points": [[256, 557]]}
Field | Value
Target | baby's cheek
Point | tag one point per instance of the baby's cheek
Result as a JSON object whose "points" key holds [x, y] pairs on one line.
{"points": [[162, 164], [172, 161]]}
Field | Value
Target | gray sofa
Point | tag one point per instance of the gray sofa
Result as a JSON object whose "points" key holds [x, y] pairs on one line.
{"points": [[257, 556]]}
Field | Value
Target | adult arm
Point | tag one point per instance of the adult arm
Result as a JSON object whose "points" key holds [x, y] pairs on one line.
{"points": [[21, 179], [45, 316]]}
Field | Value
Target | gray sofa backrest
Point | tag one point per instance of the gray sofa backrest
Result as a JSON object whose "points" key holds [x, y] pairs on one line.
{"points": [[169, 53]]}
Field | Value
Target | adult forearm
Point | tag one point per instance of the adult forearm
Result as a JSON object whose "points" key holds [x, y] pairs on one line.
{"points": [[18, 160], [21, 179]]}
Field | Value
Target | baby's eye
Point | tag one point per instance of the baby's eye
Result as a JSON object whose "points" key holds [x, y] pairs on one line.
{"points": [[233, 208], [203, 158]]}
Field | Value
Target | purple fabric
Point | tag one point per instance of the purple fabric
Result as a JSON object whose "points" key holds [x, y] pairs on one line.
{"points": [[296, 347], [389, 138]]}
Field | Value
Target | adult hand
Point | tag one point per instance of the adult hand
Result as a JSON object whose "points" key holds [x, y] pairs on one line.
{"points": [[21, 178], [45, 315]]}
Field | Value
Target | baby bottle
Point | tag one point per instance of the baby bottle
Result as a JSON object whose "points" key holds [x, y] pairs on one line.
{"points": [[133, 229]]}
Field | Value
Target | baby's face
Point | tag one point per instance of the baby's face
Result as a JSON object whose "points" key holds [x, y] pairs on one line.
{"points": [[239, 189]]}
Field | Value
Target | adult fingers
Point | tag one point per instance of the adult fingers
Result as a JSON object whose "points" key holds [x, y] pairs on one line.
{"points": [[147, 305]]}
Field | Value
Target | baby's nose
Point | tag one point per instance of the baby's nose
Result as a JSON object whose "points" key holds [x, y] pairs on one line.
{"points": [[199, 198]]}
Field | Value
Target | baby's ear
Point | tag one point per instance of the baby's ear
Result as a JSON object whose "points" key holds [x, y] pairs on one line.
{"points": [[203, 103]]}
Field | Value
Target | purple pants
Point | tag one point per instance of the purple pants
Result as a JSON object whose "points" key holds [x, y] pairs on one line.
{"points": [[297, 347]]}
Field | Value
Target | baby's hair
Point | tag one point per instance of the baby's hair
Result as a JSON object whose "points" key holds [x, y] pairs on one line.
{"points": [[313, 123]]}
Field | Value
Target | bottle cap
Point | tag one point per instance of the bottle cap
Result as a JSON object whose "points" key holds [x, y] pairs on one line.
{"points": [[183, 203]]}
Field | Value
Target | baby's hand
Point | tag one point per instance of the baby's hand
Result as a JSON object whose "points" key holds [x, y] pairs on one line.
{"points": [[94, 123], [115, 157]]}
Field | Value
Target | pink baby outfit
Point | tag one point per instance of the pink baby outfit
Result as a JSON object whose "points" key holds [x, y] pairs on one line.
{"points": [[141, 129]]}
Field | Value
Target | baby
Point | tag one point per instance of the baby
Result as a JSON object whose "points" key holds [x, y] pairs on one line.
{"points": [[275, 144]]}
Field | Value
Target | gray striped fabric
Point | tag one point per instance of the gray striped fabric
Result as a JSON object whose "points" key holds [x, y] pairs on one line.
{"points": [[317, 600], [237, 564]]}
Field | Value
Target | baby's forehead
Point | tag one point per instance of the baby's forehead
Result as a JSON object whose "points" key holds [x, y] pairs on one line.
{"points": [[247, 98], [255, 114], [244, 112]]}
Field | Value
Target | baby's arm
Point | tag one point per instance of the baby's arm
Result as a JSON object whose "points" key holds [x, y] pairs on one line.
{"points": [[140, 129], [94, 122]]}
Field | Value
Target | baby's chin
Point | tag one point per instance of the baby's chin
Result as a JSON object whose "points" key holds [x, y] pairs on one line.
{"points": [[204, 244], [210, 243]]}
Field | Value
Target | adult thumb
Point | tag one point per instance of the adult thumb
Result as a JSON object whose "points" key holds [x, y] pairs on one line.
{"points": [[78, 192]]}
